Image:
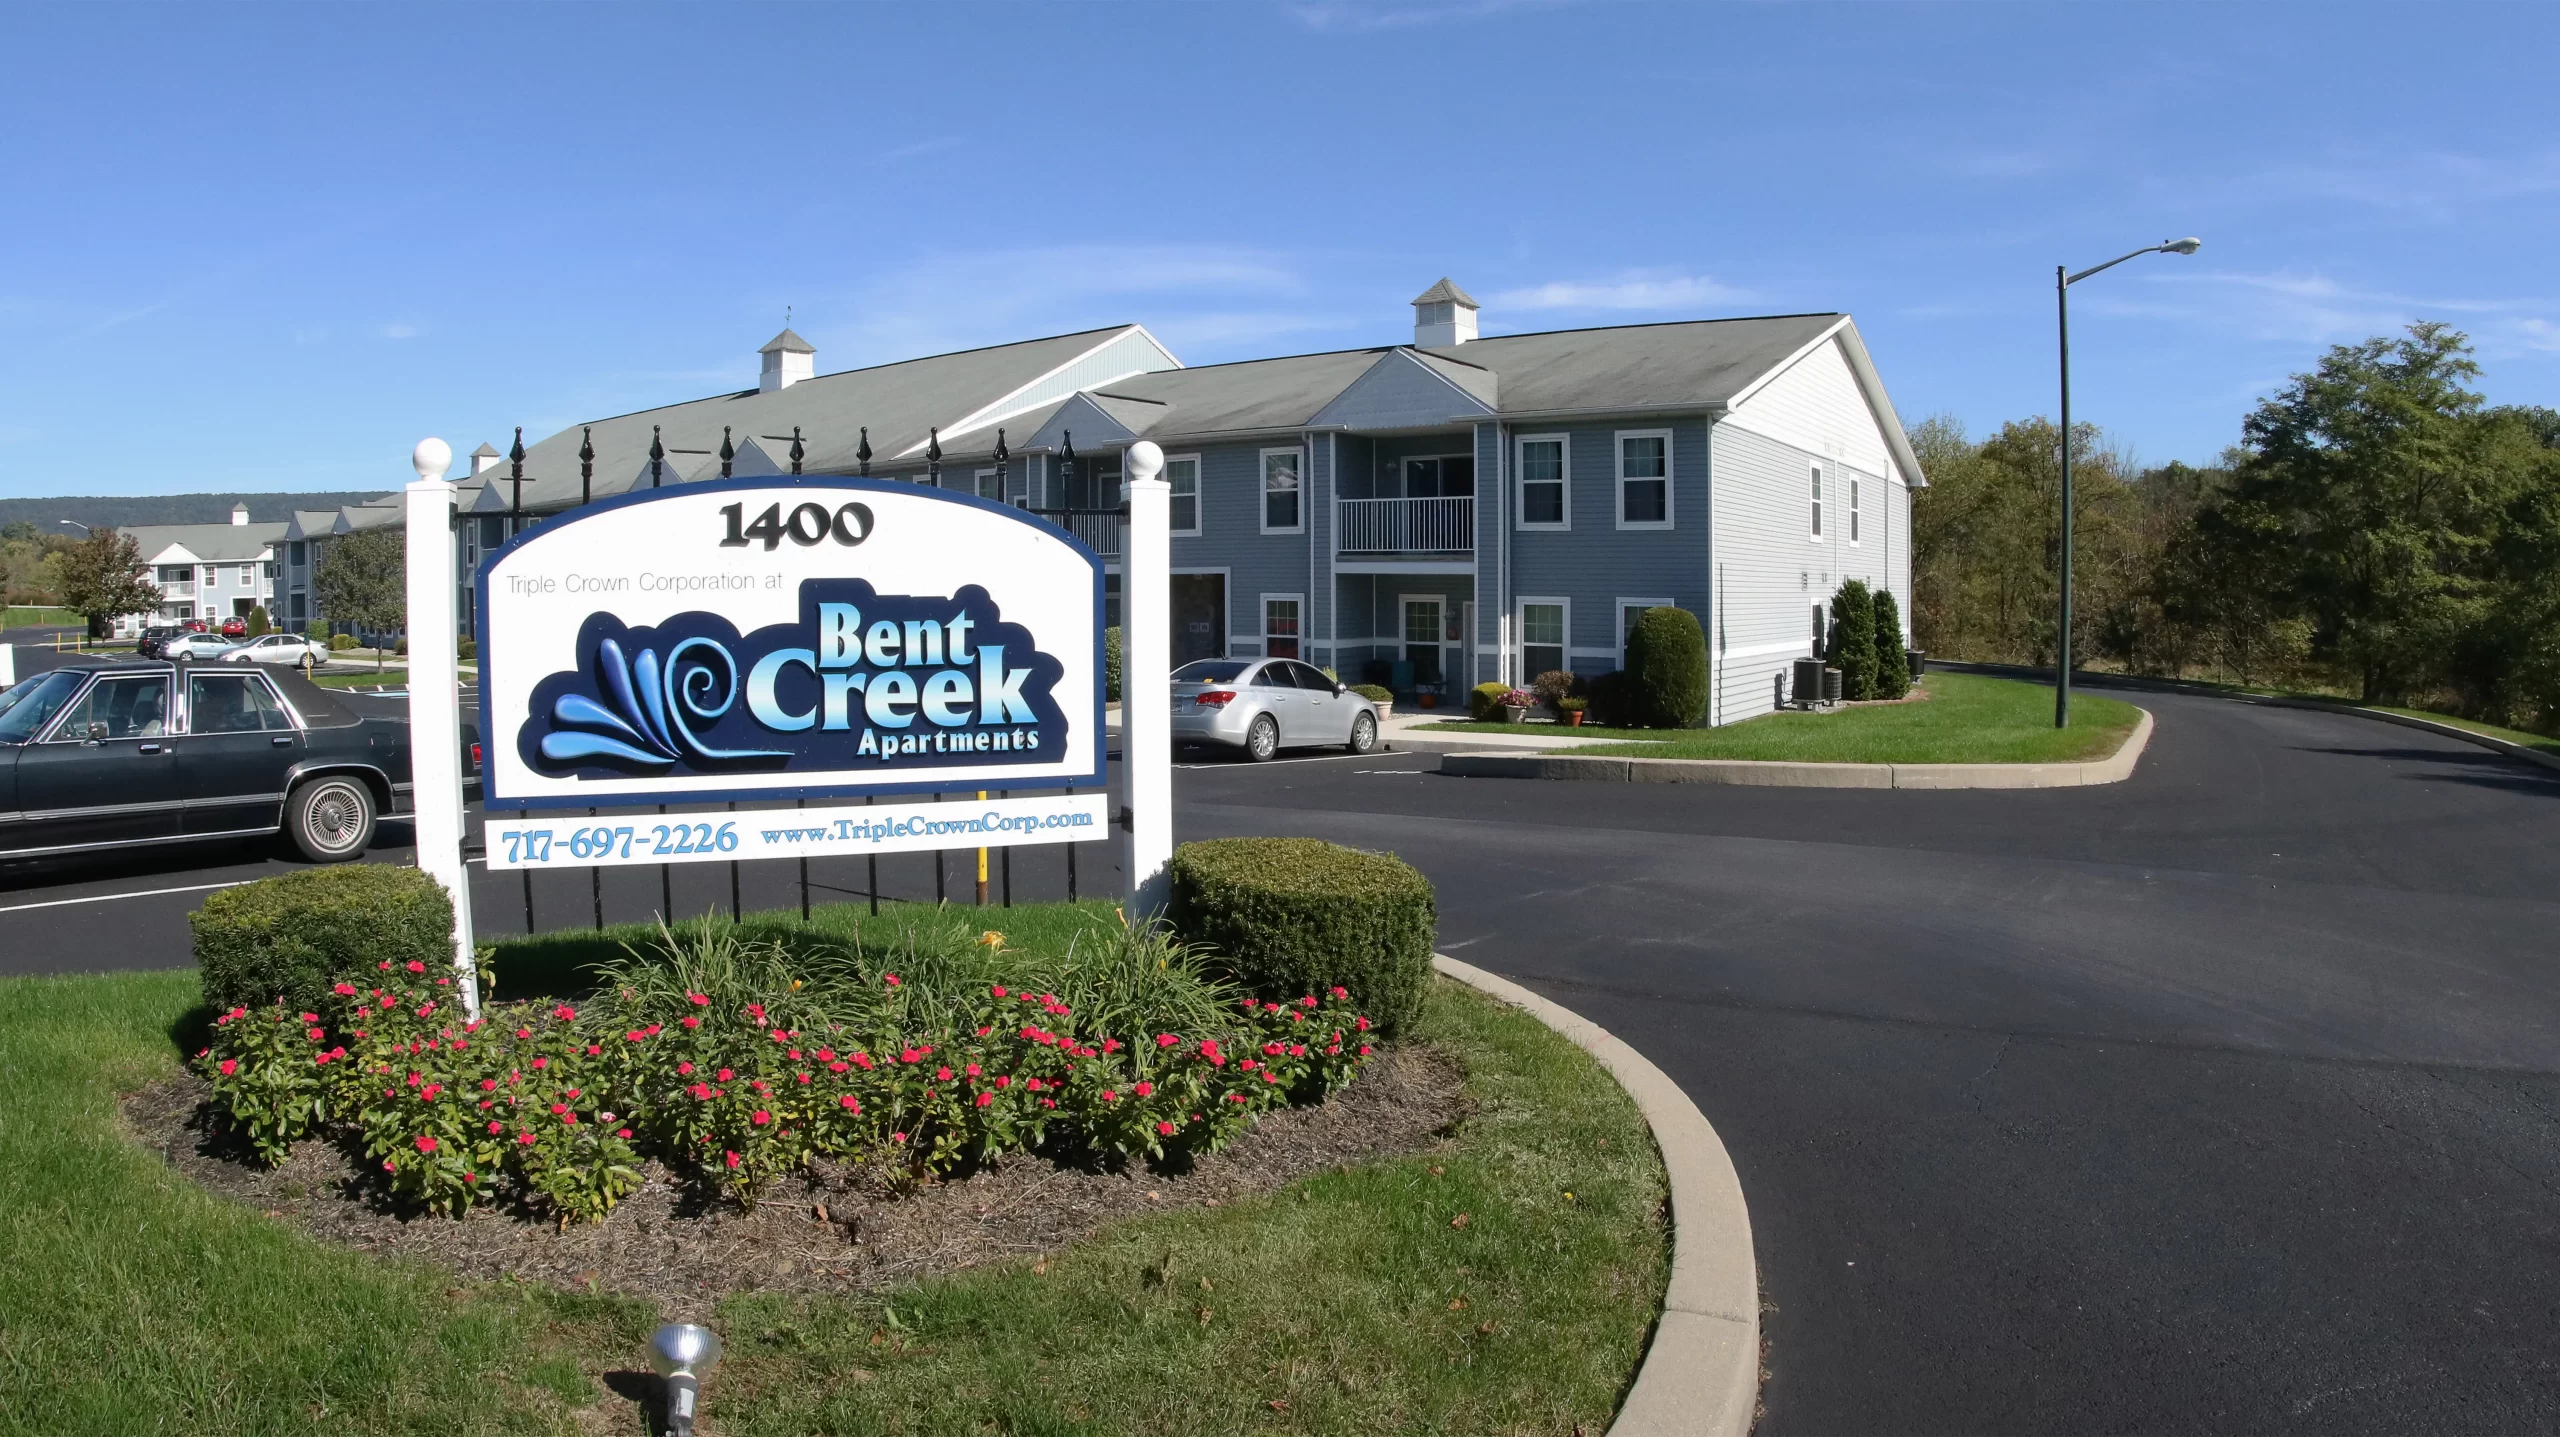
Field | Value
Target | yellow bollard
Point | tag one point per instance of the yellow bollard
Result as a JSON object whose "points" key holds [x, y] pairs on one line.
{"points": [[982, 863]]}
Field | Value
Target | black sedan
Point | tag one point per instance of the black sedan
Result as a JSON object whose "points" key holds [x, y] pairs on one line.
{"points": [[95, 758]]}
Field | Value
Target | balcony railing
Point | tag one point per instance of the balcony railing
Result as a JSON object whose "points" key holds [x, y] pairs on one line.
{"points": [[1406, 526], [1100, 529]]}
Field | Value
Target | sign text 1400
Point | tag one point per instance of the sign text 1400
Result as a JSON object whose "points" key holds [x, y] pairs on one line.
{"points": [[808, 526]]}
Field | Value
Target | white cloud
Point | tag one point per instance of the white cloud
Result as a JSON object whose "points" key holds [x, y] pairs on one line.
{"points": [[399, 331], [1631, 290], [1367, 19], [2314, 309]]}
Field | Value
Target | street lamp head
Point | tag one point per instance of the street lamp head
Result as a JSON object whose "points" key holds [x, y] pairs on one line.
{"points": [[2189, 245]]}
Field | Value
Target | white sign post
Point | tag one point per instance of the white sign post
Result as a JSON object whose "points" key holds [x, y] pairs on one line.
{"points": [[435, 720], [1146, 679]]}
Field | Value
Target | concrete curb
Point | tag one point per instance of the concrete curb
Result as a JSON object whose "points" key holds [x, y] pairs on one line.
{"points": [[2115, 768], [1701, 1374]]}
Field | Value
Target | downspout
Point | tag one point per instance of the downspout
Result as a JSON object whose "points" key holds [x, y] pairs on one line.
{"points": [[1503, 636]]}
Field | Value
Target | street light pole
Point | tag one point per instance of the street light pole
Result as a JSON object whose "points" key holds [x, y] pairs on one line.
{"points": [[2063, 279]]}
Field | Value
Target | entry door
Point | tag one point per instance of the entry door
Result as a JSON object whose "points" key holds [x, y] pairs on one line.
{"points": [[113, 788], [1423, 641], [234, 755], [1199, 603]]}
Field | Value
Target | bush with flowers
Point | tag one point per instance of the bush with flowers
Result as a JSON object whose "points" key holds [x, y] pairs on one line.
{"points": [[737, 1062]]}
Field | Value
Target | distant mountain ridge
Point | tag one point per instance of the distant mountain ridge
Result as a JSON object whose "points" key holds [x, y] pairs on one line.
{"points": [[124, 511]]}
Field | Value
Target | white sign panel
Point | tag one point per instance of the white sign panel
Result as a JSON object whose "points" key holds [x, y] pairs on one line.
{"points": [[788, 638], [615, 840]]}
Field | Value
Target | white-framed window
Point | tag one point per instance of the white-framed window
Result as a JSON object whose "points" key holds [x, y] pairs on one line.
{"points": [[1283, 629], [248, 576], [1424, 636], [990, 484], [177, 574], [1853, 508], [1546, 626], [1544, 466], [1644, 478], [1182, 475], [1817, 503], [1284, 500], [1630, 610], [1821, 627], [213, 576]]}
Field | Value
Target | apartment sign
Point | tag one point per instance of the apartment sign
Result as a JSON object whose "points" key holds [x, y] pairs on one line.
{"points": [[788, 639]]}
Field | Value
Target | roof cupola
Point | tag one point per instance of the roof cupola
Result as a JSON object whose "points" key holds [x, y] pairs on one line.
{"points": [[788, 359], [1443, 315]]}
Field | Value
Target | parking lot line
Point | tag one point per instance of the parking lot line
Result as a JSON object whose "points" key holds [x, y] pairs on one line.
{"points": [[105, 897]]}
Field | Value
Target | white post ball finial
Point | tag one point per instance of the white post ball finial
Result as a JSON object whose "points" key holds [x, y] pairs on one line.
{"points": [[1146, 459], [431, 458]]}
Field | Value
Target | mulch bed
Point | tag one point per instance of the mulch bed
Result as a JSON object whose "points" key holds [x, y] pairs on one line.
{"points": [[844, 1229]]}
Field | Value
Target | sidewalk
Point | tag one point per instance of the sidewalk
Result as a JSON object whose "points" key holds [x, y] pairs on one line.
{"points": [[1405, 731]]}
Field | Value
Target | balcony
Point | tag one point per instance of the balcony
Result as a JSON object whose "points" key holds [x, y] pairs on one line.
{"points": [[1100, 529], [1406, 528]]}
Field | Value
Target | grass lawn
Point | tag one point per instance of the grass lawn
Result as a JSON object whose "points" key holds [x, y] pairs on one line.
{"points": [[1353, 1301], [2539, 742], [1969, 718], [28, 616], [1543, 730]]}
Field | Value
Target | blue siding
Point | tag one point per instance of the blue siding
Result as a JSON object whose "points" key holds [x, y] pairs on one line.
{"points": [[1595, 563], [1230, 537]]}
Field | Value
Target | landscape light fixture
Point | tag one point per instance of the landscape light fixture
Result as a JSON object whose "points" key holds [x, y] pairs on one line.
{"points": [[683, 1353], [2063, 279]]}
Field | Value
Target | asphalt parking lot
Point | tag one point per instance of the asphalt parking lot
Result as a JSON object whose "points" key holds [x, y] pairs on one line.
{"points": [[2221, 1098]]}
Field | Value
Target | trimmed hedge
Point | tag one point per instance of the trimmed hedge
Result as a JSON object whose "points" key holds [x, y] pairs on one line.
{"points": [[1852, 648], [1666, 669], [1290, 916], [1113, 657], [1483, 699], [1375, 693], [291, 936]]}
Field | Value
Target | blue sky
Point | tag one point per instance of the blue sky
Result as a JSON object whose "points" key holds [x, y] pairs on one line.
{"points": [[270, 247]]}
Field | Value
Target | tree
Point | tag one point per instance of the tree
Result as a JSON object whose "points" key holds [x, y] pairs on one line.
{"points": [[259, 623], [363, 582], [101, 580], [1893, 667], [1987, 539], [1852, 647]]}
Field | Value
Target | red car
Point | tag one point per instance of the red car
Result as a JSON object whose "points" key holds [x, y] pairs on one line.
{"points": [[235, 627], [195, 626]]}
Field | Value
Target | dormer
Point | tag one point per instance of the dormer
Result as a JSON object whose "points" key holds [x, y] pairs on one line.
{"points": [[1443, 315]]}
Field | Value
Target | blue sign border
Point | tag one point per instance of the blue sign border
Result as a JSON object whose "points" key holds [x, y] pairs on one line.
{"points": [[492, 799]]}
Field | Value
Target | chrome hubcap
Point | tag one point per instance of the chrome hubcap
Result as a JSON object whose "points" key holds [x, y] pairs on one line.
{"points": [[335, 818]]}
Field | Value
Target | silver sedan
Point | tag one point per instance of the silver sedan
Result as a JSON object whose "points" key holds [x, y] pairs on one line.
{"points": [[1264, 705], [279, 649]]}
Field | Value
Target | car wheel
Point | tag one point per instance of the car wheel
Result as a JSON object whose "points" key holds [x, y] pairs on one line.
{"points": [[1364, 733], [1262, 741], [330, 819]]}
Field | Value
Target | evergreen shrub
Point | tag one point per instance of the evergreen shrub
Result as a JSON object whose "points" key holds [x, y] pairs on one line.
{"points": [[1483, 699], [289, 937], [1288, 916], [1111, 659], [1853, 641], [1893, 666], [1666, 670]]}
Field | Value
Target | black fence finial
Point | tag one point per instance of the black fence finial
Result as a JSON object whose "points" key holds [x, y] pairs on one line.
{"points": [[728, 451], [933, 457], [862, 456], [515, 461], [657, 458], [798, 450], [587, 465], [1004, 456], [1067, 467]]}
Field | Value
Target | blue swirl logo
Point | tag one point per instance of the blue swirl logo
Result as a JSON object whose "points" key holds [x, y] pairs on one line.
{"points": [[698, 681]]}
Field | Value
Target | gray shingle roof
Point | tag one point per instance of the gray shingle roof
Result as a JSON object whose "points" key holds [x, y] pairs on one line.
{"points": [[1638, 366], [788, 343], [1445, 290], [209, 543]]}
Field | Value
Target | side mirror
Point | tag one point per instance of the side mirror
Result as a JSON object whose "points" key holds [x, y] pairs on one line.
{"points": [[97, 733]]}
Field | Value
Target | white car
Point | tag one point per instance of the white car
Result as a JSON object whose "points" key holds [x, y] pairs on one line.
{"points": [[291, 649]]}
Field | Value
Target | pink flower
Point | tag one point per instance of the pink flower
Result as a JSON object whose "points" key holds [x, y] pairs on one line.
{"points": [[1308, 1001], [1361, 1023], [1340, 992], [725, 1075], [1144, 1089], [414, 966], [803, 1077], [426, 1144], [625, 1133], [999, 990], [698, 1000], [891, 979], [230, 1066], [685, 1069], [985, 1098], [691, 1021], [524, 1032], [942, 1075], [761, 1118], [1364, 1050], [564, 1013], [1004, 1080], [1270, 1077], [1164, 1130], [345, 990], [897, 1137], [542, 1062], [1166, 1040], [973, 1071], [1109, 1096], [488, 1085], [848, 1104], [524, 1140], [729, 1158]]}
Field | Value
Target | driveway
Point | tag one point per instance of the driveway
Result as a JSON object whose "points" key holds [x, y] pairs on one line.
{"points": [[2218, 1099]]}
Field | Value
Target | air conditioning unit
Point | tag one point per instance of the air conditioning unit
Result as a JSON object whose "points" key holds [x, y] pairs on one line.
{"points": [[1808, 683], [1831, 686]]}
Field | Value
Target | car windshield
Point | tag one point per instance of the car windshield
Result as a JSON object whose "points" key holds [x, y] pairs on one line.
{"points": [[27, 708], [1211, 671]]}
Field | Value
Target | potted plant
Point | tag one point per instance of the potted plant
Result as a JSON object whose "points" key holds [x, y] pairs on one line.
{"points": [[1572, 710], [1426, 696], [1514, 705]]}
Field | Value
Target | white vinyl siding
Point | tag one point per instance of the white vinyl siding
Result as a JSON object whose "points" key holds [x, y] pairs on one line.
{"points": [[1544, 463], [1644, 478], [1817, 503], [1853, 508]]}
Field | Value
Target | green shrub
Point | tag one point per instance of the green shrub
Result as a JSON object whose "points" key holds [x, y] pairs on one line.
{"points": [[1483, 699], [1852, 649], [1111, 663], [1893, 667], [338, 643], [1375, 693], [1666, 669], [402, 647], [1610, 700], [291, 936], [467, 650], [1290, 916], [1553, 686], [259, 623]]}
